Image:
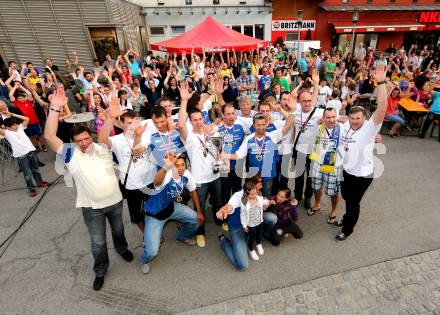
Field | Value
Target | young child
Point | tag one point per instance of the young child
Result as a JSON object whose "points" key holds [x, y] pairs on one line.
{"points": [[334, 102], [251, 217], [285, 210], [23, 150]]}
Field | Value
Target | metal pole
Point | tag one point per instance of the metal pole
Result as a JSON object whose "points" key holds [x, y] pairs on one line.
{"points": [[352, 39]]}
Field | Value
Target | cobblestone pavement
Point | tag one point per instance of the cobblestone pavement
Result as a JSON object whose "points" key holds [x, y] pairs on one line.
{"points": [[409, 285]]}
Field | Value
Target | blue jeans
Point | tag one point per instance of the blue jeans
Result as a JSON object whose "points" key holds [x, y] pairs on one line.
{"points": [[236, 249], [29, 166], [154, 227], [214, 189], [397, 118], [96, 225]]}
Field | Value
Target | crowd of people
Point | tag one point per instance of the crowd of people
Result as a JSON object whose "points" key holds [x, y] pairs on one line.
{"points": [[256, 132]]}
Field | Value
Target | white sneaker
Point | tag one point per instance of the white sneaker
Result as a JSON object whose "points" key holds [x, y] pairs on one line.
{"points": [[145, 268], [260, 250], [254, 255]]}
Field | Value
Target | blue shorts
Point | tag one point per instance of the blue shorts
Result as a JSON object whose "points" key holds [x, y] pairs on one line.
{"points": [[33, 130]]}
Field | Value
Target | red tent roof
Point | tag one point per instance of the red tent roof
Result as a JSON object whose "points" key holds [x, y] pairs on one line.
{"points": [[212, 36]]}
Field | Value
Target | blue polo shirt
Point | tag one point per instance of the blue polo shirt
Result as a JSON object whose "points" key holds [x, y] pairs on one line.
{"points": [[233, 138], [265, 146], [160, 144], [170, 189]]}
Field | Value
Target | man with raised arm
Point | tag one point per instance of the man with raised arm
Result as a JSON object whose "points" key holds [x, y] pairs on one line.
{"points": [[98, 193], [202, 155], [135, 170], [357, 137], [261, 148]]}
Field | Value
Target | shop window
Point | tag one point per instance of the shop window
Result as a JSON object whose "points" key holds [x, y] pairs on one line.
{"points": [[178, 29], [259, 31], [188, 2], [236, 28], [157, 30], [248, 30], [160, 2], [215, 1], [243, 2], [415, 1], [369, 1]]}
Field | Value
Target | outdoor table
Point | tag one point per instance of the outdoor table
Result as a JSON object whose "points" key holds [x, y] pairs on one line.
{"points": [[412, 106]]}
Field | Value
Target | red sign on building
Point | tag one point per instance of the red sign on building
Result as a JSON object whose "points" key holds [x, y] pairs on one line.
{"points": [[429, 17]]}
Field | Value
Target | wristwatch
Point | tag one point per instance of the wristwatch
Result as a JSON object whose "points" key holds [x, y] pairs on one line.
{"points": [[381, 82], [55, 110]]}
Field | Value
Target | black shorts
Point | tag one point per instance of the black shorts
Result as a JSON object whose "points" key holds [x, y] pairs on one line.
{"points": [[135, 202]]}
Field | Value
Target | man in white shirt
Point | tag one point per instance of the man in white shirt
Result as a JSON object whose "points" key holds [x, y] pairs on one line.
{"points": [[356, 149], [202, 155], [22, 149], [136, 172], [98, 194], [307, 118]]}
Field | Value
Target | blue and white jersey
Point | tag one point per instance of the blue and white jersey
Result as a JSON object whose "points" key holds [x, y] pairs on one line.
{"points": [[206, 118], [170, 189], [262, 152], [160, 143], [233, 138], [234, 222]]}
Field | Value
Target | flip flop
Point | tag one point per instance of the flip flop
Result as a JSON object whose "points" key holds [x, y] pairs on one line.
{"points": [[331, 220], [312, 211]]}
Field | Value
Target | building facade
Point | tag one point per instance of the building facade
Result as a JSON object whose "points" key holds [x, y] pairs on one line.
{"points": [[32, 30], [168, 18], [379, 23]]}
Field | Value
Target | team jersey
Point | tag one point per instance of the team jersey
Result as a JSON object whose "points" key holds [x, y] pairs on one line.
{"points": [[262, 152], [233, 138], [159, 144], [169, 191]]}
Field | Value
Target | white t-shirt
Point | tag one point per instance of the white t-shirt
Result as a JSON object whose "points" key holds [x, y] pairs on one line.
{"points": [[323, 94], [201, 165], [20, 142], [200, 69], [358, 157], [141, 172], [307, 138], [94, 175]]}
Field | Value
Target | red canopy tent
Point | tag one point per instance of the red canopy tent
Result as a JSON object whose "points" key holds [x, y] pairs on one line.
{"points": [[212, 36]]}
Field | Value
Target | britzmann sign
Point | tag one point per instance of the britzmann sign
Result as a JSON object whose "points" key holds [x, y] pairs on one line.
{"points": [[293, 25]]}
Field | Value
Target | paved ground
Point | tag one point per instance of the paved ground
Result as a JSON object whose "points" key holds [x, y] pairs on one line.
{"points": [[48, 267], [409, 285]]}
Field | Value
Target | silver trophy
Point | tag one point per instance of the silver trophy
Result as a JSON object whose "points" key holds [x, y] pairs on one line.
{"points": [[218, 140]]}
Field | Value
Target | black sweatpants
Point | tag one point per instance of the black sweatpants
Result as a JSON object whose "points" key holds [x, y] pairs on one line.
{"points": [[255, 235], [353, 189], [291, 228]]}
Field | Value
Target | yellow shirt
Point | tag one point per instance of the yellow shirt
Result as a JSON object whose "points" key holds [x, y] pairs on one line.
{"points": [[254, 69], [33, 80], [225, 73]]}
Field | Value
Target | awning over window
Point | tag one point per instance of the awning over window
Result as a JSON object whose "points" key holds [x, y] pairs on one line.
{"points": [[375, 7], [377, 26]]}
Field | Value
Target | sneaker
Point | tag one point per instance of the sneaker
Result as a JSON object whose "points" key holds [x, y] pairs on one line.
{"points": [[260, 249], [145, 268], [44, 185], [254, 255], [127, 255], [200, 239], [190, 242], [32, 193], [98, 283], [340, 237], [44, 148], [225, 227]]}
